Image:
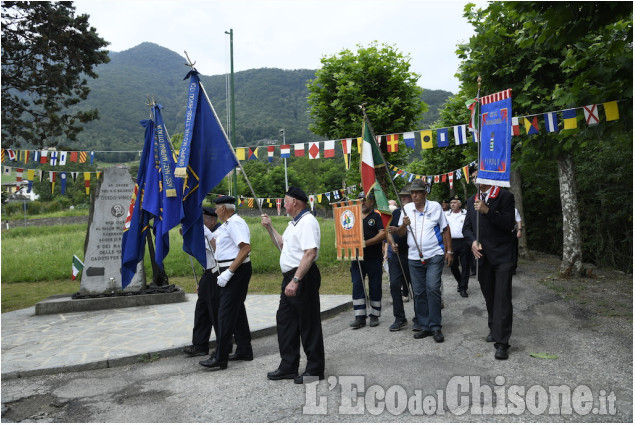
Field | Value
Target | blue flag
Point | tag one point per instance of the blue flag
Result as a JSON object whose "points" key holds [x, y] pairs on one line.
{"points": [[496, 139], [162, 193], [209, 159], [443, 140], [137, 220]]}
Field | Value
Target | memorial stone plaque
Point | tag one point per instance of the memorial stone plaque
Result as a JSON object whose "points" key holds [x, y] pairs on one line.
{"points": [[102, 250]]}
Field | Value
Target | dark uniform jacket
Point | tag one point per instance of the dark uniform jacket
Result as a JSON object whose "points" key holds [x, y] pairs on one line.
{"points": [[496, 235]]}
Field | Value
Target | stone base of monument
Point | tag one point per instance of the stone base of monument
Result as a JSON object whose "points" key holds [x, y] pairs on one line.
{"points": [[67, 304]]}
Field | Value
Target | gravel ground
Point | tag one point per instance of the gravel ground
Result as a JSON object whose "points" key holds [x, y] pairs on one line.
{"points": [[374, 375]]}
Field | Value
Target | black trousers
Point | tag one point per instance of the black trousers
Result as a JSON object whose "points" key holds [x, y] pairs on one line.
{"points": [[298, 319], [205, 311], [461, 258], [399, 278], [496, 286], [232, 316]]}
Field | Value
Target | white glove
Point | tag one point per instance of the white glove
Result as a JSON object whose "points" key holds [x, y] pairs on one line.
{"points": [[224, 278]]}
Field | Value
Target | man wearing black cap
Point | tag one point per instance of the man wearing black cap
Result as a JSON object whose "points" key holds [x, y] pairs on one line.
{"points": [[374, 235], [298, 317], [232, 253], [398, 263], [205, 311], [456, 218]]}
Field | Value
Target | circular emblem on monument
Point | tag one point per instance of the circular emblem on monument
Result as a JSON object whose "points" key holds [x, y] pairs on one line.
{"points": [[347, 219], [117, 210]]}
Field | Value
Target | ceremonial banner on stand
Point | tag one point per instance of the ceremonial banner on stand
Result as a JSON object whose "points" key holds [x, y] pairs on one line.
{"points": [[349, 235], [496, 139]]}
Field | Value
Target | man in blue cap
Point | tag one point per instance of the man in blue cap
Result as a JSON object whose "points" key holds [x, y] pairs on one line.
{"points": [[207, 290], [232, 240]]}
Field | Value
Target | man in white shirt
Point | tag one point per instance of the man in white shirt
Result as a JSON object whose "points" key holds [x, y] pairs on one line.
{"points": [[298, 318], [456, 218], [429, 244], [232, 240]]}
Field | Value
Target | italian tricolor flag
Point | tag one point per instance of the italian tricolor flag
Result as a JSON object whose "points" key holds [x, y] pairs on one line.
{"points": [[371, 159], [77, 266]]}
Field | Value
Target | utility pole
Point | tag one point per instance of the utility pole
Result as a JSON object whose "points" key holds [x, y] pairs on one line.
{"points": [[233, 110]]}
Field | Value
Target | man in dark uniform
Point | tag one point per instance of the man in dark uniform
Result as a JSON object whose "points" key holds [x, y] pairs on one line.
{"points": [[232, 240], [494, 253], [298, 317], [207, 290], [374, 235], [456, 219], [398, 263]]}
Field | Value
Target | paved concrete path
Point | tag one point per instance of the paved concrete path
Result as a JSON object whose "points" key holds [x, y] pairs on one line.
{"points": [[34, 345]]}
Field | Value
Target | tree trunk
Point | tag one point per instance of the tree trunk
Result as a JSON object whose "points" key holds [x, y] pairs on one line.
{"points": [[571, 244], [517, 190]]}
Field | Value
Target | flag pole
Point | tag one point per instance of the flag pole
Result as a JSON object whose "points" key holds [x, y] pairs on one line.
{"points": [[167, 135], [478, 185], [372, 134], [231, 148]]}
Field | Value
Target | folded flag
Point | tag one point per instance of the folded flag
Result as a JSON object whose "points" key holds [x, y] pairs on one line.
{"points": [[76, 267]]}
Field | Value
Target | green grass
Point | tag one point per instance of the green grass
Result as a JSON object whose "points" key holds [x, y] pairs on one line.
{"points": [[36, 262]]}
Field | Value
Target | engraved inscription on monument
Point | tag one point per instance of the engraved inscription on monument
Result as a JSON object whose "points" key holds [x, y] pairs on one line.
{"points": [[102, 258]]}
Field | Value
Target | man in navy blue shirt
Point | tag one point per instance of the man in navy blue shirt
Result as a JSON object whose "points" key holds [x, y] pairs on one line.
{"points": [[398, 263], [374, 235]]}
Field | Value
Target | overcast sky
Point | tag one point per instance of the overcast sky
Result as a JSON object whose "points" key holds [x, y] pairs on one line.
{"points": [[288, 34]]}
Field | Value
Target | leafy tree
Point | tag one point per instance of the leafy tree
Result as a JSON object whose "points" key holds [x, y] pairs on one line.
{"points": [[554, 56], [47, 53], [377, 76]]}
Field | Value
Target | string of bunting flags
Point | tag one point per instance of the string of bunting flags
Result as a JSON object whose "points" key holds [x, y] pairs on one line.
{"points": [[423, 139], [448, 177], [29, 175], [419, 139]]}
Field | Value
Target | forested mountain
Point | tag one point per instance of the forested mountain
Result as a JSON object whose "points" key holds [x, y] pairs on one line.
{"points": [[267, 100]]}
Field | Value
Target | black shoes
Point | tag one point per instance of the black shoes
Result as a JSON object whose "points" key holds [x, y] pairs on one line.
{"points": [[213, 364], [489, 338], [306, 378], [278, 374], [501, 353], [398, 325], [422, 334], [244, 357], [464, 294], [359, 322], [374, 321], [437, 335], [192, 351]]}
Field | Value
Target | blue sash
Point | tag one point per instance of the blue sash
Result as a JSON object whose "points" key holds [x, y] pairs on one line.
{"points": [[166, 157], [190, 113]]}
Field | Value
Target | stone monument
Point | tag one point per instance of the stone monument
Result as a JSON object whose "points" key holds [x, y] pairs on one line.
{"points": [[102, 249]]}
